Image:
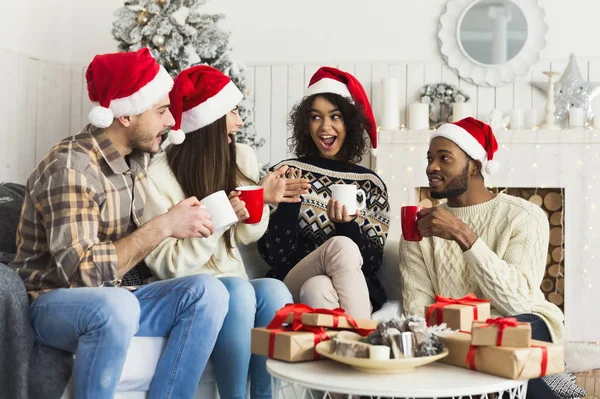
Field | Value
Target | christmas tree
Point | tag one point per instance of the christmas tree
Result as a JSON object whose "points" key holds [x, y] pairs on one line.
{"points": [[180, 36]]}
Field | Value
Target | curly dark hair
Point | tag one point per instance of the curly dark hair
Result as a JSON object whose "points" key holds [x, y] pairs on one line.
{"points": [[356, 143]]}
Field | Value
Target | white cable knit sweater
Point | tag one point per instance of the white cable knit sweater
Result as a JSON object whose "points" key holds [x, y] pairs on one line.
{"points": [[181, 257], [506, 264]]}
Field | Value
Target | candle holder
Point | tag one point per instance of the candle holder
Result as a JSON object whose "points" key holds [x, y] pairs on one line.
{"points": [[550, 118]]}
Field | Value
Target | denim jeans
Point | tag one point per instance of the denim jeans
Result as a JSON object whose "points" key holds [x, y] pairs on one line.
{"points": [[97, 324], [251, 304], [537, 388]]}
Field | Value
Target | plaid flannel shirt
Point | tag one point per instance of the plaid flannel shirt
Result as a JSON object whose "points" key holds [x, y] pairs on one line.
{"points": [[81, 198]]}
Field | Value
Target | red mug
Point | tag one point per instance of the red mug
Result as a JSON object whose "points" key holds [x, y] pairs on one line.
{"points": [[253, 196], [409, 216]]}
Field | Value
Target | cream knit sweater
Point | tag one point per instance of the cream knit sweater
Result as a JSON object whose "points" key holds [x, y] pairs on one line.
{"points": [[176, 257], [506, 264]]}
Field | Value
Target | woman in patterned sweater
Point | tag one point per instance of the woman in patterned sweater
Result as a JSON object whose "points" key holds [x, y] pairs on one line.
{"points": [[325, 256]]}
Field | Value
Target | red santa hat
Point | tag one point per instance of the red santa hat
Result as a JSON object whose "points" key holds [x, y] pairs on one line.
{"points": [[333, 80], [124, 84], [473, 137], [200, 96]]}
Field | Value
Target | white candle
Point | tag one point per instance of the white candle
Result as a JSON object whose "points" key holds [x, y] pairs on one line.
{"points": [[530, 118], [461, 111], [390, 103], [576, 117], [516, 119], [418, 116], [379, 352]]}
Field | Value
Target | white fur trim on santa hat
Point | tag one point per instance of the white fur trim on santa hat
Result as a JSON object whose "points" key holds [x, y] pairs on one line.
{"points": [[176, 137], [328, 85], [463, 139], [138, 102], [101, 117], [212, 109], [491, 167]]}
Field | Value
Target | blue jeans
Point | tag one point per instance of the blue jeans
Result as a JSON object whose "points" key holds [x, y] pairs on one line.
{"points": [[97, 324], [251, 304]]}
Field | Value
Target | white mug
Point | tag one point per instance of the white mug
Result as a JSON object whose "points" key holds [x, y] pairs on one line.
{"points": [[346, 195], [221, 212]]}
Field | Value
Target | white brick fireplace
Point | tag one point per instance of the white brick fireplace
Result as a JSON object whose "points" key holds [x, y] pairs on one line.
{"points": [[568, 159]]}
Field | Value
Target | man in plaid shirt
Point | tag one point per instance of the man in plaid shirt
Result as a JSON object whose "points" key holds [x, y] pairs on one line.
{"points": [[78, 236]]}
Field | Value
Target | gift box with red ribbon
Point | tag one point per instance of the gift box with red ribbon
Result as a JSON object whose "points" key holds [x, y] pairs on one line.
{"points": [[288, 338], [289, 346], [539, 360], [329, 318], [503, 331], [458, 314]]}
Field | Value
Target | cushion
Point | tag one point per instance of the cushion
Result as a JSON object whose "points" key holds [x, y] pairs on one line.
{"points": [[142, 358], [564, 385], [11, 202]]}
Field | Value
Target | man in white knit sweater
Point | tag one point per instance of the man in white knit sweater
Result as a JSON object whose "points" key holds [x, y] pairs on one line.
{"points": [[477, 242]]}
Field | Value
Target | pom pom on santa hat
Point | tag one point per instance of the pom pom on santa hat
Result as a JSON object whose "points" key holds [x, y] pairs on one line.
{"points": [[475, 138], [200, 96], [124, 84], [333, 80]]}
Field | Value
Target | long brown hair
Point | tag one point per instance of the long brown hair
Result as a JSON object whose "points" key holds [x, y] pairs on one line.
{"points": [[204, 164]]}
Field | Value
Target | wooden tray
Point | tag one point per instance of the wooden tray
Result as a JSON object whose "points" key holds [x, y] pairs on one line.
{"points": [[391, 366]]}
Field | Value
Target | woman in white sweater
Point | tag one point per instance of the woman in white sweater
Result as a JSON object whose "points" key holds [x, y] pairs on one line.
{"points": [[204, 159]]}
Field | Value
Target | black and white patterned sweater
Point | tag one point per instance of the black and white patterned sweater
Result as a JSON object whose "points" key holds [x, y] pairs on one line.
{"points": [[295, 230]]}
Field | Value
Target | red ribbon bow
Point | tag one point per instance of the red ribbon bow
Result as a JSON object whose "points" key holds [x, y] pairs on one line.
{"points": [[319, 332], [543, 365], [442, 302], [502, 323]]}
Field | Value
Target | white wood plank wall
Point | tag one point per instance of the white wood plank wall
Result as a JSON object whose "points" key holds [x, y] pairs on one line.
{"points": [[44, 101]]}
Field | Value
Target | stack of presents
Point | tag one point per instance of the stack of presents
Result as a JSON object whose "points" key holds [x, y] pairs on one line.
{"points": [[501, 346]]}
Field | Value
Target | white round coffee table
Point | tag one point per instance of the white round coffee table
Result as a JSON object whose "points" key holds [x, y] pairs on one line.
{"points": [[436, 380]]}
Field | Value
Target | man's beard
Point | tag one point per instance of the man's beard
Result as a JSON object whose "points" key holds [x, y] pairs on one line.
{"points": [[457, 186], [142, 141]]}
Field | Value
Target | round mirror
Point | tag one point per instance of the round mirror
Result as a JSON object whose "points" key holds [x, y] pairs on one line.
{"points": [[493, 32], [490, 42]]}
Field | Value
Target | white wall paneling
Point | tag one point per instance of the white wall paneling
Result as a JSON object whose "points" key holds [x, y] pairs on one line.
{"points": [[398, 71], [471, 90], [505, 99], [279, 109], [594, 76], [538, 99], [262, 109], [378, 72], [486, 102], [415, 79], [295, 86]]}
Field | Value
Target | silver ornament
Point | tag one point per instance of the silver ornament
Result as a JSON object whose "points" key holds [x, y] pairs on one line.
{"points": [[571, 90], [158, 40]]}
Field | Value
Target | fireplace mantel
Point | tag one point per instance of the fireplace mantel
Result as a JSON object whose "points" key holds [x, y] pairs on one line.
{"points": [[567, 158], [559, 136]]}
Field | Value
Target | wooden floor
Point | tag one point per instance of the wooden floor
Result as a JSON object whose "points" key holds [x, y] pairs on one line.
{"points": [[590, 381]]}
